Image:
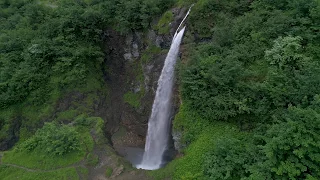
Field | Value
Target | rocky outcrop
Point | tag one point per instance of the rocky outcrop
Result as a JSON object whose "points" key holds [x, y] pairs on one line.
{"points": [[125, 71], [12, 134], [132, 69]]}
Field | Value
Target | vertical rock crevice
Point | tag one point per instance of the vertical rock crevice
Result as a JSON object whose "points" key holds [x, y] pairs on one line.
{"points": [[132, 67]]}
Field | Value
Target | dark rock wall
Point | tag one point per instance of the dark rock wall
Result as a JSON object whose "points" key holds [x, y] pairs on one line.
{"points": [[125, 124]]}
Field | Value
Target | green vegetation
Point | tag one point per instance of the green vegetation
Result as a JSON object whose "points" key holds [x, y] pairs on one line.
{"points": [[9, 173], [249, 82], [163, 25], [250, 92], [67, 115], [132, 98], [53, 146], [41, 161], [52, 48], [201, 137], [109, 171], [33, 158], [149, 53], [53, 140], [92, 159], [84, 172]]}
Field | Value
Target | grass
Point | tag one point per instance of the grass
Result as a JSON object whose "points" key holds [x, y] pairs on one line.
{"points": [[99, 130], [189, 123], [201, 136], [37, 112], [190, 165], [24, 134], [10, 173], [5, 118], [85, 125], [86, 139], [92, 159], [163, 25], [91, 99], [30, 113], [109, 171], [132, 98], [181, 3], [93, 82], [46, 167], [40, 160], [149, 53], [68, 115], [120, 133], [84, 172]]}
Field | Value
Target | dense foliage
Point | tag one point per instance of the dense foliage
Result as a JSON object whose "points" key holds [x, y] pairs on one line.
{"points": [[256, 65], [251, 64], [46, 46], [49, 48], [53, 139]]}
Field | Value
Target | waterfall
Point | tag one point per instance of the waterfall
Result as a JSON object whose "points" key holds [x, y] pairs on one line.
{"points": [[159, 122]]}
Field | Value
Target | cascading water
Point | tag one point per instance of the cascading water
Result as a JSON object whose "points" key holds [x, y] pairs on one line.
{"points": [[159, 122]]}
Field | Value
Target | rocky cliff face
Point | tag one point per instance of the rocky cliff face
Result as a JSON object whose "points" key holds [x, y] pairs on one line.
{"points": [[132, 67]]}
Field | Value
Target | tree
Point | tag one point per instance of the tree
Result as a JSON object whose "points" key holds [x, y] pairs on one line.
{"points": [[292, 77], [292, 146], [228, 160]]}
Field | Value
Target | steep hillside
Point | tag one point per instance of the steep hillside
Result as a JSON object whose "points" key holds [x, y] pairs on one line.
{"points": [[249, 84], [77, 83], [78, 78]]}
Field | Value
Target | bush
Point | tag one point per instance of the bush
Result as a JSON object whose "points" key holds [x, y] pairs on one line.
{"points": [[92, 159], [53, 139], [292, 147], [109, 171], [163, 25], [132, 98], [228, 160], [83, 120]]}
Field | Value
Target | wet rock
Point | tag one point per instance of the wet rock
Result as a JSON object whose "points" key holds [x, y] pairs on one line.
{"points": [[179, 14], [159, 41], [137, 88], [176, 136], [12, 134], [152, 36], [131, 47], [122, 59], [135, 50], [128, 56], [117, 171]]}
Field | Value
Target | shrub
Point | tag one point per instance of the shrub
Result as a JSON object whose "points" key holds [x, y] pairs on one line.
{"points": [[228, 159], [53, 139], [109, 171], [132, 98], [92, 159], [163, 25]]}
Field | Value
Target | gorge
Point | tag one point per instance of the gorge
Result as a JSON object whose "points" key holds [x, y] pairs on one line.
{"points": [[86, 84]]}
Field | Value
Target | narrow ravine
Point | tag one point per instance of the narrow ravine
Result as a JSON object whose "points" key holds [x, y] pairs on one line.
{"points": [[159, 122]]}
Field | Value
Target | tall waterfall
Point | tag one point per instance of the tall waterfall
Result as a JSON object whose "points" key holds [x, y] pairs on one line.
{"points": [[159, 122]]}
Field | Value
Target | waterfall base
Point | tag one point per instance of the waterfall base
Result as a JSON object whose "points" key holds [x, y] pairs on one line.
{"points": [[132, 154], [148, 167]]}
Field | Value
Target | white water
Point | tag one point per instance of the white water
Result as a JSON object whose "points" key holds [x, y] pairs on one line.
{"points": [[159, 122]]}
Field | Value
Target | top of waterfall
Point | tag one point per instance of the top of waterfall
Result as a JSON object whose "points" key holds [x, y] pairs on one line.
{"points": [[185, 17]]}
